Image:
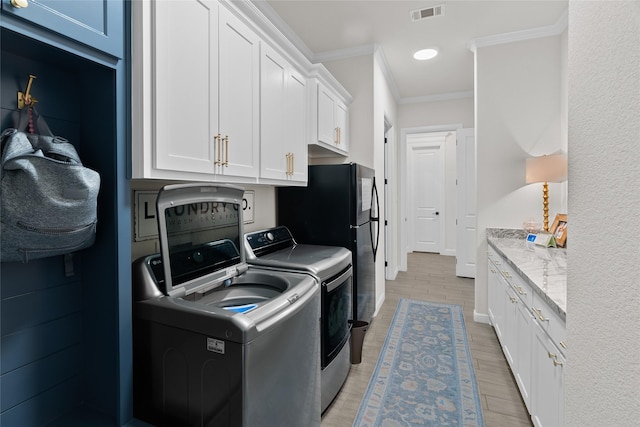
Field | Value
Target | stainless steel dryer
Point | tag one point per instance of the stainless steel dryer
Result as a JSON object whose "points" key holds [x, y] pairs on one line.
{"points": [[275, 249], [218, 342]]}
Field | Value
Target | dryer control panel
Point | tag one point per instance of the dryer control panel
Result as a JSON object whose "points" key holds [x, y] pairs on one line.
{"points": [[268, 241]]}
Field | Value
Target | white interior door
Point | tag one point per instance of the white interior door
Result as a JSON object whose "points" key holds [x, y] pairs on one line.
{"points": [[466, 203], [427, 187]]}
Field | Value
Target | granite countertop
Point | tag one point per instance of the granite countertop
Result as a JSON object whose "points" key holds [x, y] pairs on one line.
{"points": [[544, 269]]}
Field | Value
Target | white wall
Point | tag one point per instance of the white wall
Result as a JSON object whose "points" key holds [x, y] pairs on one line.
{"points": [[602, 375], [518, 115], [436, 113], [384, 110]]}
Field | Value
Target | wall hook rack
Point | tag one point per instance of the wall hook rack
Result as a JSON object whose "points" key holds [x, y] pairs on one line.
{"points": [[25, 98]]}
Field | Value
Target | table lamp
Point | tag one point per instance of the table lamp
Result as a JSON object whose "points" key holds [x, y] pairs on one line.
{"points": [[549, 168]]}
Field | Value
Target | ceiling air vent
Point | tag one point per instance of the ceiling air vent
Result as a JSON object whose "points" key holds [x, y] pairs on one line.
{"points": [[430, 12]]}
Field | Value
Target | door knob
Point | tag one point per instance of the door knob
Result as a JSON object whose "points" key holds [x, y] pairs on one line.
{"points": [[19, 4], [437, 213]]}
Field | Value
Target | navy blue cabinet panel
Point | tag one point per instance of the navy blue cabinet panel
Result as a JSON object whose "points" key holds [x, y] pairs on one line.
{"points": [[95, 23]]}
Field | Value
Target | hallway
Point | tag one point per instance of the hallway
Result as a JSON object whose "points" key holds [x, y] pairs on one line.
{"points": [[431, 277]]}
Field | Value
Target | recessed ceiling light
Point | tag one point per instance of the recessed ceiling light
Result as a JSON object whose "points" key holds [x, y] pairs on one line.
{"points": [[424, 54]]}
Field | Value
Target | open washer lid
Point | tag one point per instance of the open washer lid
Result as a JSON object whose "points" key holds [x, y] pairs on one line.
{"points": [[200, 227]]}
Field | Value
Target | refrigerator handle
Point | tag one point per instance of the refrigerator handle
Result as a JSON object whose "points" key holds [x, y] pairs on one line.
{"points": [[374, 219]]}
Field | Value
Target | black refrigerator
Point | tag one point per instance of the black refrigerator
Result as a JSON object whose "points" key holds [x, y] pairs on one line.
{"points": [[339, 207]]}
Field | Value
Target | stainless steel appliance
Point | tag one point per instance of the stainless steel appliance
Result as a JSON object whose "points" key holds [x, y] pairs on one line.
{"points": [[218, 342], [339, 207], [276, 249]]}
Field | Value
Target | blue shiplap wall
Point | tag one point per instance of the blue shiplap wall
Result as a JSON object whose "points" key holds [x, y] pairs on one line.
{"points": [[65, 342]]}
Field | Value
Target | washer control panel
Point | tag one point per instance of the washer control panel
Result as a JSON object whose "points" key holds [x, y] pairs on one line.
{"points": [[277, 237]]}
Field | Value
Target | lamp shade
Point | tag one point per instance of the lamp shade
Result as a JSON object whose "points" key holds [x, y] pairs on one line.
{"points": [[551, 168]]}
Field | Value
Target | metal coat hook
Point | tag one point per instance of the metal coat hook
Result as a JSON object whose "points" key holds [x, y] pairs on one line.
{"points": [[25, 98]]}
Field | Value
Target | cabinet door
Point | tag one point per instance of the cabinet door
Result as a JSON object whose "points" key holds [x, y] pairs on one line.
{"points": [[239, 97], [547, 400], [98, 23], [496, 300], [510, 333], [326, 116], [296, 125], [274, 159], [524, 333], [185, 87], [342, 126]]}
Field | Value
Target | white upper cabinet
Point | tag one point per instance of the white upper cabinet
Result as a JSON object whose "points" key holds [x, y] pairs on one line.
{"points": [[196, 92], [239, 97], [332, 120], [218, 94], [283, 105]]}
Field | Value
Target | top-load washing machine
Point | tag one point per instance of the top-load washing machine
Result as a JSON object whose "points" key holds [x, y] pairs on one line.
{"points": [[218, 342], [275, 249]]}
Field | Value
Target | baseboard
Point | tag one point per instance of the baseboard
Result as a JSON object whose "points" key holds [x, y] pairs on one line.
{"points": [[379, 304], [481, 318], [448, 252], [392, 273]]}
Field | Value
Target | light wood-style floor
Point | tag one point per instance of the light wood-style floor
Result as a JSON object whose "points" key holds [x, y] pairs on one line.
{"points": [[431, 277]]}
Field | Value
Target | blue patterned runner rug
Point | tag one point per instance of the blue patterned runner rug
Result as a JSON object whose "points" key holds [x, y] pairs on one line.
{"points": [[424, 375]]}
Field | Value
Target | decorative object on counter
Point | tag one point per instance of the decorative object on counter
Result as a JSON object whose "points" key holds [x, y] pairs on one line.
{"points": [[49, 199], [559, 229], [545, 169], [545, 239], [531, 226], [424, 375]]}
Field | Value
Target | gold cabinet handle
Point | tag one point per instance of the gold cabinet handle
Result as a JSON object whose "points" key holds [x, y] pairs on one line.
{"points": [[217, 141], [339, 135], [520, 291], [226, 151], [293, 167], [514, 300], [492, 270], [288, 156], [555, 358], [497, 262], [19, 4], [540, 316], [506, 274], [563, 344]]}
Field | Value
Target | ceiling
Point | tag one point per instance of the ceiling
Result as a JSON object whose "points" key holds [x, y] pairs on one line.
{"points": [[335, 29]]}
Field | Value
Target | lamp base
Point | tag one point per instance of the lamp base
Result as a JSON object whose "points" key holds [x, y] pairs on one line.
{"points": [[545, 206]]}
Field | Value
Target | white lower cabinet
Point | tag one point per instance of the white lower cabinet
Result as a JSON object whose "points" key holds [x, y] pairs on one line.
{"points": [[532, 339], [547, 409]]}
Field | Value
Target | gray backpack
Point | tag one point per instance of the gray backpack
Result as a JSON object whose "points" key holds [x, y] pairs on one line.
{"points": [[48, 199]]}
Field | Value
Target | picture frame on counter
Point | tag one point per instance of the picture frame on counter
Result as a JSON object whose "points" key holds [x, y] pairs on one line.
{"points": [[559, 229]]}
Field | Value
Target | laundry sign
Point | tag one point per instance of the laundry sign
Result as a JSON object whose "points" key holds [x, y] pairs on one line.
{"points": [[146, 222]]}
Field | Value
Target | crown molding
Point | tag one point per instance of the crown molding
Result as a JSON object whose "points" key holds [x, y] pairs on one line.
{"points": [[517, 36]]}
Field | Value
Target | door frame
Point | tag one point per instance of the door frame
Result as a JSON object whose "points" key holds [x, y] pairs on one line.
{"points": [[465, 184], [404, 180]]}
